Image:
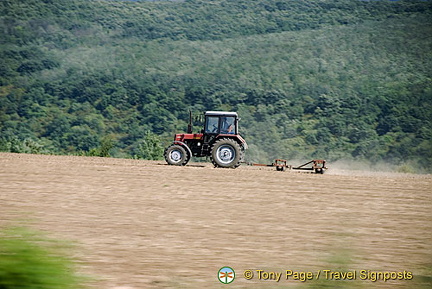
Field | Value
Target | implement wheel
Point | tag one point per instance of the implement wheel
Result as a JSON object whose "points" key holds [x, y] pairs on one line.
{"points": [[280, 168], [226, 153]]}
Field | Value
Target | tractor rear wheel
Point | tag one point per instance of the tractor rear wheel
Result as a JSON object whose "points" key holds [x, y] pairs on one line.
{"points": [[226, 153], [176, 155]]}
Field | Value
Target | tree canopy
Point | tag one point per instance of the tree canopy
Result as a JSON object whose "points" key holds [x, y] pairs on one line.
{"points": [[310, 79]]}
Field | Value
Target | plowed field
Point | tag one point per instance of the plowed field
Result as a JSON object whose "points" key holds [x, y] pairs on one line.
{"points": [[143, 224]]}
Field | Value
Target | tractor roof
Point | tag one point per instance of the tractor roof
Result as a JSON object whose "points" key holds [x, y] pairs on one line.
{"points": [[221, 113]]}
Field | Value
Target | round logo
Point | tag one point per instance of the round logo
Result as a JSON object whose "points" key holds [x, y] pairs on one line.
{"points": [[226, 275]]}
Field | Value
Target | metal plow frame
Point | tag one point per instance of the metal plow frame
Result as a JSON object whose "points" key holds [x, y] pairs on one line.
{"points": [[317, 166]]}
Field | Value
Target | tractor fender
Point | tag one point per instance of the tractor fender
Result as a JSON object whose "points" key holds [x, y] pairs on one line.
{"points": [[185, 146], [241, 141]]}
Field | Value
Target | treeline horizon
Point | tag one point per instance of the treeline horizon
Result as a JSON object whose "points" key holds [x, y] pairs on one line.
{"points": [[337, 80]]}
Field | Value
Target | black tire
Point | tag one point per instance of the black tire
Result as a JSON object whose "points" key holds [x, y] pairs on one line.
{"points": [[176, 155], [319, 171], [280, 168], [226, 153]]}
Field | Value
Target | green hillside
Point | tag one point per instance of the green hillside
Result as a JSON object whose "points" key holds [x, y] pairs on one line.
{"points": [[340, 80]]}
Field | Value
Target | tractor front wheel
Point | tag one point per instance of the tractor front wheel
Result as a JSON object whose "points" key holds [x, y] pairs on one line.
{"points": [[176, 155], [226, 153]]}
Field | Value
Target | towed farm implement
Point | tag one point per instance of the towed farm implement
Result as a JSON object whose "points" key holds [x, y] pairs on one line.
{"points": [[317, 166]]}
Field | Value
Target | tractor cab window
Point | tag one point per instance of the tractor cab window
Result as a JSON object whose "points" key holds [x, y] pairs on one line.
{"points": [[228, 125], [212, 124]]}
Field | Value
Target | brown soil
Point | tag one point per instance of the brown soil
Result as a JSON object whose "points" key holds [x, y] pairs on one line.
{"points": [[143, 224]]}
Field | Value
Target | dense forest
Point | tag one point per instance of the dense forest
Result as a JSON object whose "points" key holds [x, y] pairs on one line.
{"points": [[340, 80]]}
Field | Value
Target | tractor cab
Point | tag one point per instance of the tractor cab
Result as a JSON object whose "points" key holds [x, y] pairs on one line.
{"points": [[217, 122]]}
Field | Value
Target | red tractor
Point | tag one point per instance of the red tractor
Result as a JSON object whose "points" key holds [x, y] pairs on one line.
{"points": [[219, 140]]}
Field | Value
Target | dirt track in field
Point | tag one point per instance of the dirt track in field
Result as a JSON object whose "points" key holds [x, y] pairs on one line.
{"points": [[142, 224]]}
